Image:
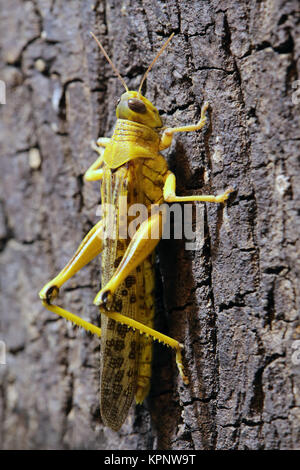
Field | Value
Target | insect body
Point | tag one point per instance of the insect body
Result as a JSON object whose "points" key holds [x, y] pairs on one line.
{"points": [[133, 170]]}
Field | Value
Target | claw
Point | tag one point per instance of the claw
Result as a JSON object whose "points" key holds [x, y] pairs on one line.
{"points": [[205, 107], [223, 197], [96, 148]]}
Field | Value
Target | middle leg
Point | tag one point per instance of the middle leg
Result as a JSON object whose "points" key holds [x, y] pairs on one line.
{"points": [[170, 194]]}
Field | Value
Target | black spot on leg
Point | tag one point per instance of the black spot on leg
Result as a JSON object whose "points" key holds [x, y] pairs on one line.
{"points": [[51, 293], [105, 297]]}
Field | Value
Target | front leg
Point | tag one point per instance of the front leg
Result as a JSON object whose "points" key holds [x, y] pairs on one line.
{"points": [[167, 136], [95, 172]]}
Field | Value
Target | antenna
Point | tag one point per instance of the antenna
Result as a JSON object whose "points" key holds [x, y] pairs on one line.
{"points": [[110, 62], [154, 60]]}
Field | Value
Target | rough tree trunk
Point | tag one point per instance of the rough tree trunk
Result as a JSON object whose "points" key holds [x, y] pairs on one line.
{"points": [[234, 303]]}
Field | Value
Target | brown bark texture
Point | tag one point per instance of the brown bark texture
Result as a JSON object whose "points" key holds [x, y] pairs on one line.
{"points": [[233, 303]]}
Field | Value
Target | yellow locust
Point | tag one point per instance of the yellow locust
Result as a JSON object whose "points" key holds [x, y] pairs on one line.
{"points": [[130, 166]]}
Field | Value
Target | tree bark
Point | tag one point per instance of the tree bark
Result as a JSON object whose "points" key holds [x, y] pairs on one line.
{"points": [[234, 303]]}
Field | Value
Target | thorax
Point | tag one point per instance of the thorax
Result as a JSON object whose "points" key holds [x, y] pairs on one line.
{"points": [[129, 131], [129, 141]]}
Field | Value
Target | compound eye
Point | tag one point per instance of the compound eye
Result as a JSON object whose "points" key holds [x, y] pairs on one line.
{"points": [[137, 106]]}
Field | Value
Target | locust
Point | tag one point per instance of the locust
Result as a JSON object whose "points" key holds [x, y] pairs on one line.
{"points": [[130, 167]]}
